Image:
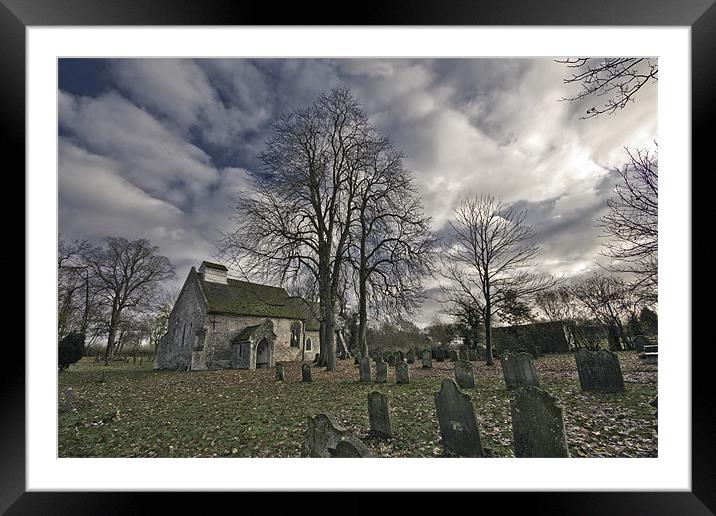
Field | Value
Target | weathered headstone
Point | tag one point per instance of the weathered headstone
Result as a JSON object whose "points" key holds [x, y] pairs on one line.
{"points": [[472, 355], [464, 374], [322, 436], [306, 373], [379, 414], [391, 359], [440, 355], [279, 372], [599, 371], [427, 359], [537, 424], [519, 370], [453, 355], [352, 447], [381, 372], [364, 370], [69, 398], [410, 357], [402, 373], [456, 419]]}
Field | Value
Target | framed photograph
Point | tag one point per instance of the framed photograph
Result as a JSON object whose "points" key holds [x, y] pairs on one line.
{"points": [[427, 239]]}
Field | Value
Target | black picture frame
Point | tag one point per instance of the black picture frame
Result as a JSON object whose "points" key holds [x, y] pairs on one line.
{"points": [[700, 15]]}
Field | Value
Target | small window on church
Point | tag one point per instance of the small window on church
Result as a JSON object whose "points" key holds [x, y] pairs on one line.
{"points": [[309, 344], [296, 335], [241, 350]]}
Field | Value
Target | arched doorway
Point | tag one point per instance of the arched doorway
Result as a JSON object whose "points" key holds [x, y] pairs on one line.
{"points": [[263, 353]]}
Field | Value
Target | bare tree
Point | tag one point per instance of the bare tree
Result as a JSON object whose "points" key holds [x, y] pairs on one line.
{"points": [[391, 245], [487, 263], [610, 301], [560, 304], [616, 79], [128, 273], [297, 218], [631, 225]]}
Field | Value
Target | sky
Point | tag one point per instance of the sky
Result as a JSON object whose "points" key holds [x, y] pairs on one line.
{"points": [[162, 148]]}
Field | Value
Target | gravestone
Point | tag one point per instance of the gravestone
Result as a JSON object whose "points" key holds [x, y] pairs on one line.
{"points": [[599, 371], [379, 415], [391, 359], [381, 372], [427, 359], [306, 373], [69, 395], [462, 354], [322, 436], [279, 371], [519, 370], [402, 374], [456, 419], [315, 358], [472, 355], [453, 355], [364, 370], [537, 424], [352, 447], [410, 357], [440, 355], [640, 341], [464, 374], [356, 360]]}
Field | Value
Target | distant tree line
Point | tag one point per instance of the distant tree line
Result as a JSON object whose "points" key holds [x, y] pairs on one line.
{"points": [[114, 292]]}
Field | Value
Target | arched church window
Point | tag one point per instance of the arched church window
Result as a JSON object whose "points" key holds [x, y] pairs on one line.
{"points": [[295, 334]]}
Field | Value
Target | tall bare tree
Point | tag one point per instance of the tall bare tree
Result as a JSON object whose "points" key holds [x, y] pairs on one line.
{"points": [[128, 274], [617, 80], [488, 260], [391, 245], [296, 219], [631, 224]]}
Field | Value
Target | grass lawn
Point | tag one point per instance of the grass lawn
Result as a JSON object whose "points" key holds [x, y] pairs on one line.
{"points": [[138, 412]]}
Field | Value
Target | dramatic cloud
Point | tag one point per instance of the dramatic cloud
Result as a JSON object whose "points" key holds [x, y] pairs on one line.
{"points": [[161, 148]]}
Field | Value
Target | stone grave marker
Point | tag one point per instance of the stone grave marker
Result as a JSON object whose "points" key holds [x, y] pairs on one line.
{"points": [[364, 370], [599, 371], [402, 373], [472, 355], [279, 372], [440, 355], [352, 447], [427, 359], [69, 398], [322, 436], [381, 372], [519, 370], [379, 415], [537, 424], [453, 355], [462, 353], [464, 374], [306, 373], [456, 419]]}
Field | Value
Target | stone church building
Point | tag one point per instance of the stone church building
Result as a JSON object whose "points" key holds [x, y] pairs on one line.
{"points": [[222, 323]]}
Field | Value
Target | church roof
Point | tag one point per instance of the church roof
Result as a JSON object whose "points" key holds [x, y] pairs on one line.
{"points": [[238, 297]]}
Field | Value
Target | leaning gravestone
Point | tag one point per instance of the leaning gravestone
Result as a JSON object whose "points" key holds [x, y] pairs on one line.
{"points": [[306, 373], [599, 371], [464, 374], [322, 436], [352, 447], [456, 418], [67, 407], [427, 359], [402, 373], [279, 371], [537, 424], [379, 415], [364, 370], [519, 370], [381, 372]]}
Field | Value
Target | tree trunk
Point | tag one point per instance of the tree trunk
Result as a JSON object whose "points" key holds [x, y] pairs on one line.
{"points": [[488, 328], [113, 325], [362, 313]]}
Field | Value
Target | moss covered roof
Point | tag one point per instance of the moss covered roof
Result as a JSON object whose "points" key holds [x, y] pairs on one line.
{"points": [[245, 298]]}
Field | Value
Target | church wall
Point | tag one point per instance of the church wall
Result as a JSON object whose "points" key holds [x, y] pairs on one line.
{"points": [[186, 318]]}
